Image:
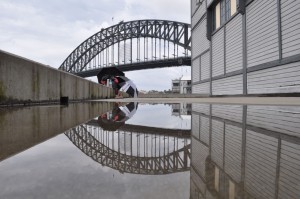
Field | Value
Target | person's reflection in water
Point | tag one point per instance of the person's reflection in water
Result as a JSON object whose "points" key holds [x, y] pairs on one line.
{"points": [[140, 149], [113, 120]]}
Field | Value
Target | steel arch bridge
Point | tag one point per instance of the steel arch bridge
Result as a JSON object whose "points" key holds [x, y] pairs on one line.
{"points": [[114, 155], [133, 45]]}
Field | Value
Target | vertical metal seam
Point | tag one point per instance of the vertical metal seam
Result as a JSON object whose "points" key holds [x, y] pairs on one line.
{"points": [[211, 93], [279, 28], [224, 49], [224, 145], [200, 68], [278, 168], [199, 127], [244, 132], [191, 52], [210, 128], [244, 32], [192, 74]]}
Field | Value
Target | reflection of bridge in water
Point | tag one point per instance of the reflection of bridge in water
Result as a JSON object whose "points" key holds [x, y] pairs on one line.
{"points": [[135, 149]]}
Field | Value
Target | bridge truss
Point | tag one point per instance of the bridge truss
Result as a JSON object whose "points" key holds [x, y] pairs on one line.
{"points": [[133, 45], [133, 152]]}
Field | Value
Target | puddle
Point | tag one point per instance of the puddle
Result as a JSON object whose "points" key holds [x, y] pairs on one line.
{"points": [[118, 150]]}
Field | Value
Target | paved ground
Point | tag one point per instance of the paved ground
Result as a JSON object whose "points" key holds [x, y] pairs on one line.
{"points": [[224, 100]]}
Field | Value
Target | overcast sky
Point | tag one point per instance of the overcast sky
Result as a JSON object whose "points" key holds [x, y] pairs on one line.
{"points": [[48, 31]]}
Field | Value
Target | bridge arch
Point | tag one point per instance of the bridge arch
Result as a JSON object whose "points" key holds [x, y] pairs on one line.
{"points": [[176, 33], [112, 154]]}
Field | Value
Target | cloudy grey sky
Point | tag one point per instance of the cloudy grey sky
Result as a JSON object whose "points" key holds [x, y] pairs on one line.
{"points": [[48, 31]]}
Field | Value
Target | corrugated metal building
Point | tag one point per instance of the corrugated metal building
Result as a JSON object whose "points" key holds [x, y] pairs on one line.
{"points": [[242, 47]]}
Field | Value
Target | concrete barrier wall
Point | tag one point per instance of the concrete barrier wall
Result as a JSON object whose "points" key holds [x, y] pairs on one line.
{"points": [[23, 128], [25, 80]]}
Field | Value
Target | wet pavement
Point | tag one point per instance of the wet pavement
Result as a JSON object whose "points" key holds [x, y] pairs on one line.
{"points": [[142, 150]]}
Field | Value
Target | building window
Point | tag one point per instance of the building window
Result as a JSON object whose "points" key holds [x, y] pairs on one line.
{"points": [[217, 17], [233, 7], [217, 179], [227, 9], [222, 7], [222, 12], [231, 190]]}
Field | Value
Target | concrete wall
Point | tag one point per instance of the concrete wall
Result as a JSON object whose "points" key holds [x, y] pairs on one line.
{"points": [[255, 52], [23, 128], [25, 80]]}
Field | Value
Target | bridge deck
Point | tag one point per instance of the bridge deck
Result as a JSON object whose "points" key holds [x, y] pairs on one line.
{"points": [[181, 61]]}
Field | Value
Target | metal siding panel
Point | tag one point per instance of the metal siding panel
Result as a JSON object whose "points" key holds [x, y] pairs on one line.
{"points": [[195, 89], [200, 12], [199, 40], [228, 86], [283, 119], [229, 112], [280, 79], [289, 178], [195, 125], [201, 108], [261, 162], [217, 142], [201, 88], [205, 66], [262, 32], [194, 6], [218, 53], [290, 22], [234, 45], [233, 152], [204, 129], [199, 155], [194, 190], [196, 185], [196, 70]]}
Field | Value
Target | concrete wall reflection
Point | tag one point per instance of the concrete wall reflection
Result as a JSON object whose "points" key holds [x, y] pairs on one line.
{"points": [[23, 128]]}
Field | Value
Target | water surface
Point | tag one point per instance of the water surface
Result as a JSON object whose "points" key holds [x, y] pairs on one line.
{"points": [[110, 150]]}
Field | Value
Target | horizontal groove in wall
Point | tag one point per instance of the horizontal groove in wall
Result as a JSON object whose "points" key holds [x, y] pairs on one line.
{"points": [[207, 50], [292, 59]]}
